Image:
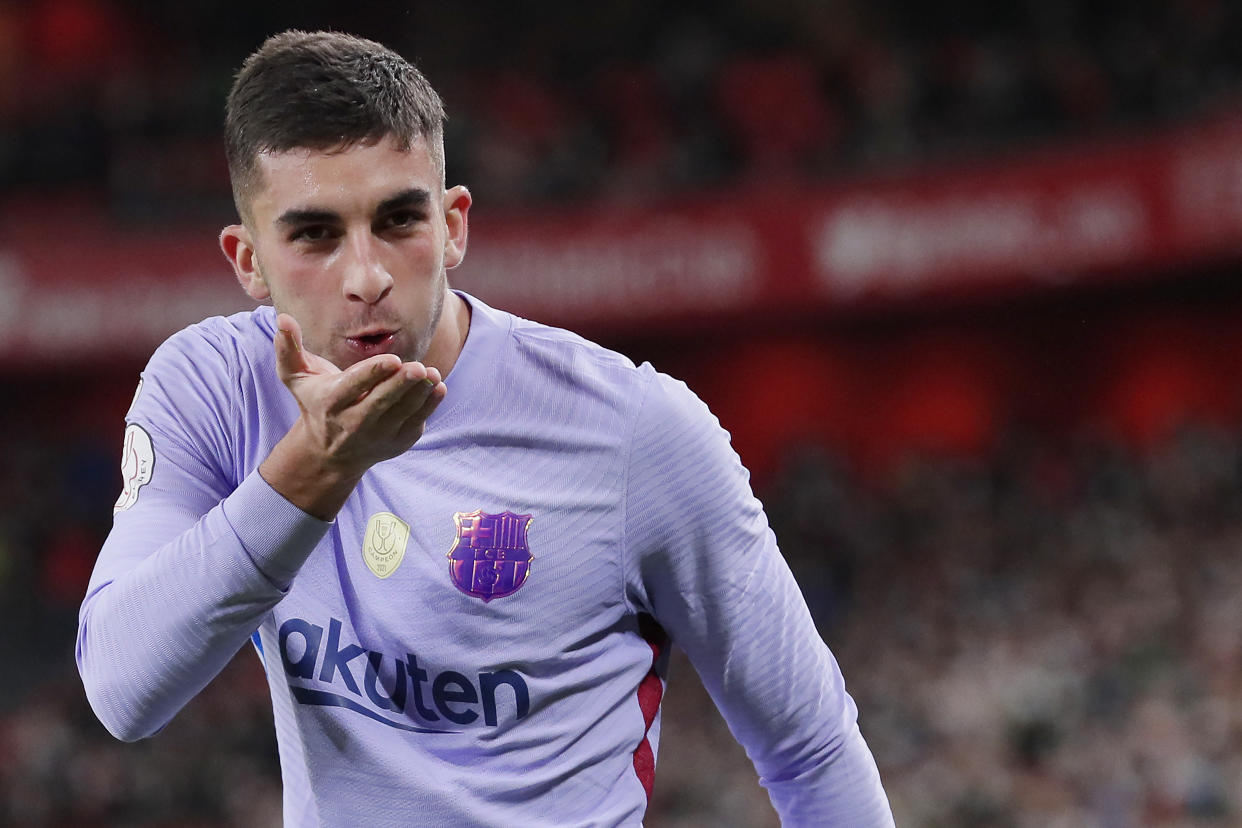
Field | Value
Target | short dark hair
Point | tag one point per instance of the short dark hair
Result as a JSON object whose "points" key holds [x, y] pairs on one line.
{"points": [[321, 91]]}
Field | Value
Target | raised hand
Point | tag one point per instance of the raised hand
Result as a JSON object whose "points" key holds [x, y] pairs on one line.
{"points": [[352, 419]]}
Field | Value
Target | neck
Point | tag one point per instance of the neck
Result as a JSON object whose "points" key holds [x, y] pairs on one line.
{"points": [[450, 335]]}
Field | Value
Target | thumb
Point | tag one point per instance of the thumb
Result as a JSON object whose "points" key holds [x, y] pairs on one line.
{"points": [[290, 356]]}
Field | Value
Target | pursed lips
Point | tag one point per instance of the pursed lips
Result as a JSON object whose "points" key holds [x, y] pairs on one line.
{"points": [[371, 341], [372, 336]]}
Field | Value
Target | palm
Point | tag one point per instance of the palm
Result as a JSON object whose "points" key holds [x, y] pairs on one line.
{"points": [[318, 366], [370, 411]]}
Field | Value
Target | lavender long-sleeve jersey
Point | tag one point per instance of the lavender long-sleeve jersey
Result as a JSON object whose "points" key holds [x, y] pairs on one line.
{"points": [[481, 635]]}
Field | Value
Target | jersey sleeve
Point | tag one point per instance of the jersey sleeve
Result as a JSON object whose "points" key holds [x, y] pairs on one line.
{"points": [[195, 558], [702, 560]]}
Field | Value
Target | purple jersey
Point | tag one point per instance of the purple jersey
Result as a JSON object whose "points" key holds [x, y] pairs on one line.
{"points": [[481, 635]]}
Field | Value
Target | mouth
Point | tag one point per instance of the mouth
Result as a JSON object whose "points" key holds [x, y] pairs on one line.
{"points": [[370, 343]]}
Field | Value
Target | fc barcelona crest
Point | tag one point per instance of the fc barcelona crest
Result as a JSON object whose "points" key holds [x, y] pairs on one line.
{"points": [[490, 558]]}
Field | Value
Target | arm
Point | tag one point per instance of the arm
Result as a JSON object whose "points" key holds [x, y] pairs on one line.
{"points": [[705, 564], [192, 566]]}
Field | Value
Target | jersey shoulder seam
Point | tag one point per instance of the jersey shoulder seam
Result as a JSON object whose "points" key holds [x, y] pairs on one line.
{"points": [[631, 438]]}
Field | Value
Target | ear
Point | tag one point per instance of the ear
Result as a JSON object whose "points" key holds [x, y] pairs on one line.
{"points": [[239, 250], [456, 209]]}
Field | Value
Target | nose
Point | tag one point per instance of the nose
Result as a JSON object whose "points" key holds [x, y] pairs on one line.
{"points": [[365, 277]]}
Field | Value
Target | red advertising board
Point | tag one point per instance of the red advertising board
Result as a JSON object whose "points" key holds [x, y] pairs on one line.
{"points": [[71, 286]]}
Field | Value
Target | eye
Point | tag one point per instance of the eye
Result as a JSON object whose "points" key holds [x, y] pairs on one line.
{"points": [[400, 220], [312, 233]]}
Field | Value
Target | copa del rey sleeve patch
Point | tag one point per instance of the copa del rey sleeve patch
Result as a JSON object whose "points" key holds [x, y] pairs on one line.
{"points": [[137, 463]]}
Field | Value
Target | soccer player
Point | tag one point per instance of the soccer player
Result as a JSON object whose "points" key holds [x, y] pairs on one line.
{"points": [[461, 541]]}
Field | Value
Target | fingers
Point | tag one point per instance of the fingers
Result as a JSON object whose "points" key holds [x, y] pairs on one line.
{"points": [[412, 404], [411, 428], [404, 392], [361, 379], [290, 357]]}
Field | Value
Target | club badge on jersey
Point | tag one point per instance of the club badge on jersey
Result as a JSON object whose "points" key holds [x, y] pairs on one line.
{"points": [[383, 545], [490, 557]]}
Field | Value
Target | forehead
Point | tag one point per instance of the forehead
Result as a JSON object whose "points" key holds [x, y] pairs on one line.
{"points": [[346, 180]]}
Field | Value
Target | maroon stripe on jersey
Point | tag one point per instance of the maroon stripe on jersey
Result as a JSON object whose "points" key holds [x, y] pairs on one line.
{"points": [[650, 692]]}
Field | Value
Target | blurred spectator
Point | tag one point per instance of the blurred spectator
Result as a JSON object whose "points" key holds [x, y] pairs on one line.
{"points": [[630, 99]]}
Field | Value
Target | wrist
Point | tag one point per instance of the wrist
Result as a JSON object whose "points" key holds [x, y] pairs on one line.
{"points": [[307, 477]]}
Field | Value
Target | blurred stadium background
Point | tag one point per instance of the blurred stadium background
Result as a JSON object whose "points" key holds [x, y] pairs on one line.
{"points": [[962, 279]]}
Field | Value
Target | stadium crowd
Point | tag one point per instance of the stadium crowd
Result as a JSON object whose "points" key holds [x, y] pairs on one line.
{"points": [[618, 99], [1049, 636]]}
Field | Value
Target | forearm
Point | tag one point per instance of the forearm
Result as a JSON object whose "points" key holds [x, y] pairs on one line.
{"points": [[785, 699], [841, 787], [151, 636]]}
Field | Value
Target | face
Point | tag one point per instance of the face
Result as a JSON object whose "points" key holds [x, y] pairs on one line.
{"points": [[354, 244]]}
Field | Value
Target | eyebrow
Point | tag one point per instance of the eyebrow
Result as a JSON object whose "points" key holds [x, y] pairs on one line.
{"points": [[413, 197], [291, 218]]}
